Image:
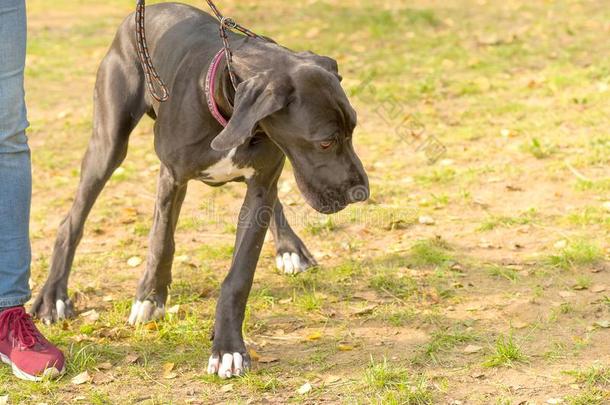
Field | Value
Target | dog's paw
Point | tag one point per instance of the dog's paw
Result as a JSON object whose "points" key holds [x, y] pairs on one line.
{"points": [[290, 263], [229, 364], [49, 308], [294, 262], [145, 311]]}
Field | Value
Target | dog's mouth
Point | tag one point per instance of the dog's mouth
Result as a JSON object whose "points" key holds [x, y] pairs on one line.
{"points": [[329, 200]]}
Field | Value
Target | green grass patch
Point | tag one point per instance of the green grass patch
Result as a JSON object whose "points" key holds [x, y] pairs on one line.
{"points": [[430, 252], [578, 253], [387, 383], [492, 222], [507, 273], [505, 352]]}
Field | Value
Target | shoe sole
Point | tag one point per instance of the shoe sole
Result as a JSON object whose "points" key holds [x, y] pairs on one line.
{"points": [[49, 373]]}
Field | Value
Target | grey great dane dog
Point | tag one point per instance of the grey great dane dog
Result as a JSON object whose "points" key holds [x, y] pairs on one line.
{"points": [[287, 104]]}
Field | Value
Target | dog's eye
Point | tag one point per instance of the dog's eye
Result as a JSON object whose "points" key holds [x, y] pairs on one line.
{"points": [[327, 144]]}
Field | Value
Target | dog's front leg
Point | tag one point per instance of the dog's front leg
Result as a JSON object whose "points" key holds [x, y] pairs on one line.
{"points": [[292, 255], [229, 356], [154, 284]]}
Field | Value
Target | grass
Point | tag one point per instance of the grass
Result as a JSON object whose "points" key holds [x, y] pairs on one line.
{"points": [[492, 222], [577, 253], [443, 341], [507, 273], [598, 375], [432, 252], [525, 125], [391, 384], [505, 352]]}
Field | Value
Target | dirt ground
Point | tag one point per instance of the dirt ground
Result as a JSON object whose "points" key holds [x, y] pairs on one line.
{"points": [[479, 278]]}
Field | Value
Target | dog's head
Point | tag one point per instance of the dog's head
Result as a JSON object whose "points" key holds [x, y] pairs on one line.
{"points": [[298, 101]]}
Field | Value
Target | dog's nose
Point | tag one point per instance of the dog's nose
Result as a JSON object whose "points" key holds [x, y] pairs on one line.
{"points": [[358, 193]]}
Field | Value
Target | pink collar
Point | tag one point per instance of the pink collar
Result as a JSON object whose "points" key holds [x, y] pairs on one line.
{"points": [[210, 83]]}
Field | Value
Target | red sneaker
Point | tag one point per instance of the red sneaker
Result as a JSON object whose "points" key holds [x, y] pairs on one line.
{"points": [[23, 347]]}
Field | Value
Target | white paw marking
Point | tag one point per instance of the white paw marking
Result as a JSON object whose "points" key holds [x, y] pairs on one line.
{"points": [[232, 365], [145, 311], [225, 170], [60, 308], [290, 263]]}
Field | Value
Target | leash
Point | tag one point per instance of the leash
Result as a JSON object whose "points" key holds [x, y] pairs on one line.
{"points": [[152, 77], [150, 72], [229, 23]]}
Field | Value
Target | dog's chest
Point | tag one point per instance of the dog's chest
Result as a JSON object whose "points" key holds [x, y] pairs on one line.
{"points": [[225, 170]]}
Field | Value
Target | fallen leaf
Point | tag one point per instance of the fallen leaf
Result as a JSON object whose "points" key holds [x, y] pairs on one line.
{"points": [[566, 294], [167, 367], [345, 348], [151, 326], [81, 378], [170, 376], [91, 315], [305, 388], [364, 310], [603, 324], [104, 366], [267, 360], [472, 349], [103, 378], [312, 33], [519, 324], [331, 379], [554, 401], [254, 356], [132, 358], [597, 288], [426, 220], [227, 388], [314, 336], [134, 261]]}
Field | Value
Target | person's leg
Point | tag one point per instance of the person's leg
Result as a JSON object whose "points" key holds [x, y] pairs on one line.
{"points": [[15, 164], [22, 346]]}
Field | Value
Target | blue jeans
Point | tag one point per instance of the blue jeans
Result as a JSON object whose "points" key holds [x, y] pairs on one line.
{"points": [[15, 163]]}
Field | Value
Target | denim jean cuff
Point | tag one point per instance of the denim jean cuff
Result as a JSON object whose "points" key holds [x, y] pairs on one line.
{"points": [[6, 302]]}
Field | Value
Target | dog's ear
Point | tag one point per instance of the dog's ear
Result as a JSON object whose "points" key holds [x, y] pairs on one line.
{"points": [[255, 99], [326, 62]]}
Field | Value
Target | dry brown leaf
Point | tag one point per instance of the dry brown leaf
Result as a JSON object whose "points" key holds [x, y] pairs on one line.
{"points": [[132, 358], [227, 388], [104, 366], [267, 360], [91, 315], [364, 310], [597, 288], [472, 349], [603, 324], [254, 356], [81, 378]]}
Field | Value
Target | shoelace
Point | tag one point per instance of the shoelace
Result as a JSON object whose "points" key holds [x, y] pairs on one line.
{"points": [[22, 326]]}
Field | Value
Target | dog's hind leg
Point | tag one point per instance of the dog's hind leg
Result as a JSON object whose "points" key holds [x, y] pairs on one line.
{"points": [[292, 255], [154, 284], [118, 107]]}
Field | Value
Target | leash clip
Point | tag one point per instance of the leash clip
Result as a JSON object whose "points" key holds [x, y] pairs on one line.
{"points": [[228, 22]]}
